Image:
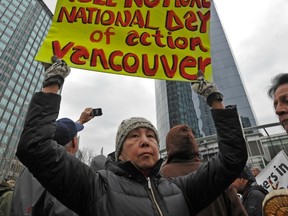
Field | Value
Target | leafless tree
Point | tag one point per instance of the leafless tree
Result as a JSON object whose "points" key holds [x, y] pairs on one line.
{"points": [[86, 154]]}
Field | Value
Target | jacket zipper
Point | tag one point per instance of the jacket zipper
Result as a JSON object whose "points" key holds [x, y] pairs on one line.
{"points": [[153, 196]]}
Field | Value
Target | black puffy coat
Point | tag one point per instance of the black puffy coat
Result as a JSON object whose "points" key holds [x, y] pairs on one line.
{"points": [[121, 189]]}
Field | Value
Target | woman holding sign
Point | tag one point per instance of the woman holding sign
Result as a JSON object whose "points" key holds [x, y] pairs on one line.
{"points": [[131, 183]]}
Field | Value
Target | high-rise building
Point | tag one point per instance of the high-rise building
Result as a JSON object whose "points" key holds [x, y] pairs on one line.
{"points": [[176, 103], [23, 26]]}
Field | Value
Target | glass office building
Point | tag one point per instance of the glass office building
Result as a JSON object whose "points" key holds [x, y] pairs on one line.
{"points": [[176, 103], [23, 26]]}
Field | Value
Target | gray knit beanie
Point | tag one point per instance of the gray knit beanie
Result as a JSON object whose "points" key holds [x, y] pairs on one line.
{"points": [[128, 125]]}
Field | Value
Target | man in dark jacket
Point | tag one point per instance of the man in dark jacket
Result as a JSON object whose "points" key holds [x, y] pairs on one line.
{"points": [[29, 197], [183, 158], [131, 183], [252, 193]]}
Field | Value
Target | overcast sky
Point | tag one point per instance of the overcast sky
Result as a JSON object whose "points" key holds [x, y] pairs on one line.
{"points": [[257, 31]]}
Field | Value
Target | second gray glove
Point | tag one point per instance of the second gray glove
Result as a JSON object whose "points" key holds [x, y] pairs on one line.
{"points": [[206, 89]]}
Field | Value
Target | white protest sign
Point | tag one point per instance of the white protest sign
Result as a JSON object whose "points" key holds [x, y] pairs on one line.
{"points": [[275, 174]]}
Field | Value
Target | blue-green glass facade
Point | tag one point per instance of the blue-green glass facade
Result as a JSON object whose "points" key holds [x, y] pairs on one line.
{"points": [[23, 26], [176, 103]]}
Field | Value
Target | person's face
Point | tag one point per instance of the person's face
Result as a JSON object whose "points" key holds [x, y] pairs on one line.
{"points": [[281, 105], [255, 172], [239, 184], [141, 148]]}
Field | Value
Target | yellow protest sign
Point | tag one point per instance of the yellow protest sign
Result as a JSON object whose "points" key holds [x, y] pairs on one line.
{"points": [[160, 39]]}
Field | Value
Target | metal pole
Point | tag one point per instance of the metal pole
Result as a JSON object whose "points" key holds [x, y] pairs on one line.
{"points": [[270, 142]]}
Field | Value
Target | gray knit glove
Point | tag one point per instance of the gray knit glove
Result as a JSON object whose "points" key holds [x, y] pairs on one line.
{"points": [[55, 73], [206, 89]]}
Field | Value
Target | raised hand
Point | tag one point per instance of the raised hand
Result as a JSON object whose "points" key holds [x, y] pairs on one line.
{"points": [[206, 89], [56, 73]]}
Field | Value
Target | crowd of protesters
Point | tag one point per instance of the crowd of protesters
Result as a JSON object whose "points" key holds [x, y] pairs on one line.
{"points": [[134, 180]]}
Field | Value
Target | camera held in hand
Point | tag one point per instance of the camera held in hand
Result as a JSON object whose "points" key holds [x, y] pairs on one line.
{"points": [[96, 112]]}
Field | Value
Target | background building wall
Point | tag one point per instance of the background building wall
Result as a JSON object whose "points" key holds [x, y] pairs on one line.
{"points": [[23, 26], [185, 106], [226, 74]]}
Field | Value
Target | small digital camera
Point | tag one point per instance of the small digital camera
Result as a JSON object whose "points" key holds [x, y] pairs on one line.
{"points": [[96, 112]]}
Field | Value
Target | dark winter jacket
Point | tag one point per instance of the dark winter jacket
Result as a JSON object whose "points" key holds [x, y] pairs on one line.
{"points": [[31, 199], [253, 197], [183, 158], [227, 204], [122, 189]]}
